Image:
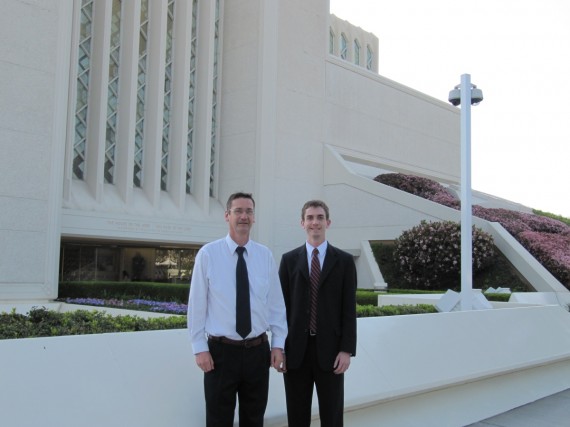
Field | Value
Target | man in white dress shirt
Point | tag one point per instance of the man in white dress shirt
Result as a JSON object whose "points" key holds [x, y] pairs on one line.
{"points": [[236, 365]]}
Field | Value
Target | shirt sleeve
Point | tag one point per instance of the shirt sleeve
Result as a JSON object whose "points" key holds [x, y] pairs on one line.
{"points": [[197, 304], [277, 315]]}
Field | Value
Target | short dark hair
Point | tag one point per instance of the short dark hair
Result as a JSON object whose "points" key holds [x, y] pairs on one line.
{"points": [[238, 195], [315, 204]]}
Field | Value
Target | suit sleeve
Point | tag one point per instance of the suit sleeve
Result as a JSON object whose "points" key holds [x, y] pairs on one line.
{"points": [[284, 279], [348, 343]]}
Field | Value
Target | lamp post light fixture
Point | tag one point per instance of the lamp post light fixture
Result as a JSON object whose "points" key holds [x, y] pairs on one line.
{"points": [[466, 94]]}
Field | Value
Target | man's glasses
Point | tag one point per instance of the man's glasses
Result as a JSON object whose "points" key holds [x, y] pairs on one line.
{"points": [[240, 212]]}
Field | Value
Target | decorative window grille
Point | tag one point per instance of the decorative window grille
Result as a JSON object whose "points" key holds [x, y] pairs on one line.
{"points": [[191, 98], [167, 97], [369, 58], [343, 47], [141, 91], [113, 92], [81, 103], [356, 52]]}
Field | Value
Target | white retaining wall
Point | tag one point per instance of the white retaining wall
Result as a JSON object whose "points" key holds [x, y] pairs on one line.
{"points": [[452, 369]]}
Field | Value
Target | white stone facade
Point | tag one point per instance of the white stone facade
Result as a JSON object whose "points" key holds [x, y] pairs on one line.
{"points": [[250, 101]]}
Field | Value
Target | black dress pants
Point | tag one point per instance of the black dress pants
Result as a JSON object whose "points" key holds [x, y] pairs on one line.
{"points": [[299, 384], [242, 372]]}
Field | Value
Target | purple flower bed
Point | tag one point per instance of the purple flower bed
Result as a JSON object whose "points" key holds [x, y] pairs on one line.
{"points": [[547, 239], [134, 304]]}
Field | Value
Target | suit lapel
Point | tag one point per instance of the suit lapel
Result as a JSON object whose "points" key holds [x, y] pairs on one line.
{"points": [[302, 263], [331, 259]]}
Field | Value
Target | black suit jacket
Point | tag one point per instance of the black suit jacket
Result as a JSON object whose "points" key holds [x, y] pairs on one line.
{"points": [[336, 313]]}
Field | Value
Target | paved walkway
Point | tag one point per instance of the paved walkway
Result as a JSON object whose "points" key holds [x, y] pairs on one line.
{"points": [[552, 411]]}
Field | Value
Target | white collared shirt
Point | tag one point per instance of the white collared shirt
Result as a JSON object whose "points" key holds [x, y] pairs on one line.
{"points": [[212, 303], [322, 252]]}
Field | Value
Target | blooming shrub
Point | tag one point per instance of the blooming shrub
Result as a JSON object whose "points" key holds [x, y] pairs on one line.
{"points": [[551, 250], [133, 304], [429, 255], [418, 186], [517, 222], [532, 231]]}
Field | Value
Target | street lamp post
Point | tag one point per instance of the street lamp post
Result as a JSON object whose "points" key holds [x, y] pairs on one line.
{"points": [[466, 94]]}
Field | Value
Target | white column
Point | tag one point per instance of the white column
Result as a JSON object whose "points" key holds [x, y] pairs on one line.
{"points": [[154, 100], [126, 115], [266, 120], [203, 103], [75, 15], [179, 114], [97, 114]]}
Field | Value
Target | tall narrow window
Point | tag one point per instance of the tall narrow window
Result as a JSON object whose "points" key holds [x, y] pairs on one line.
{"points": [[356, 52], [113, 93], [83, 68], [215, 98], [331, 41], [369, 58], [191, 95], [167, 97], [141, 90], [343, 47]]}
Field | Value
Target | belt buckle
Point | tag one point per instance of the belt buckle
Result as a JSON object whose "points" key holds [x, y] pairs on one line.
{"points": [[312, 333], [247, 343]]}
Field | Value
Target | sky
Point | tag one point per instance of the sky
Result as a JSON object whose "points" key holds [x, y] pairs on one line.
{"points": [[518, 53]]}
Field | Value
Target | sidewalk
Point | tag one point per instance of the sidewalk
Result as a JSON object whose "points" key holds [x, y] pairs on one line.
{"points": [[551, 411]]}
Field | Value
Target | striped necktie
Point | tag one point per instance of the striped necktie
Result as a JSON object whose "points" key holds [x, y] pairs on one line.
{"points": [[314, 279]]}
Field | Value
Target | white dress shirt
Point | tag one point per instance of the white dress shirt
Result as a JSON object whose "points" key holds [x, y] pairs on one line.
{"points": [[322, 252], [212, 304]]}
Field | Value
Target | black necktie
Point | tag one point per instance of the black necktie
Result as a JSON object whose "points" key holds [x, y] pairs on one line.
{"points": [[243, 314], [314, 278]]}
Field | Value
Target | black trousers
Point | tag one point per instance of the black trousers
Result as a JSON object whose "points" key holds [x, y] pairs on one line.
{"points": [[299, 384], [241, 372]]}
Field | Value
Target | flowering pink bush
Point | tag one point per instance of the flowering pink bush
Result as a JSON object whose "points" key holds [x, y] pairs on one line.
{"points": [[547, 239], [418, 186], [551, 250], [429, 255]]}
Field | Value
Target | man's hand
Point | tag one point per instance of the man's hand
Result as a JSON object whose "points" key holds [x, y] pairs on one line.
{"points": [[341, 363], [278, 359], [204, 361]]}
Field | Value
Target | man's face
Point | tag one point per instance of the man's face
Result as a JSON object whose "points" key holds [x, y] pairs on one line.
{"points": [[240, 217], [315, 224]]}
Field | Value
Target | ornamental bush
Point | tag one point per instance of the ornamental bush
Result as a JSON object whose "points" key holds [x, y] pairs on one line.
{"points": [[422, 187], [429, 255], [551, 250], [41, 322], [533, 231]]}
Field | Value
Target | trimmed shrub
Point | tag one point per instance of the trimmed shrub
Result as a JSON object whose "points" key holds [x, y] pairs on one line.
{"points": [[418, 186], [175, 292], [551, 250], [429, 255], [41, 322], [393, 310]]}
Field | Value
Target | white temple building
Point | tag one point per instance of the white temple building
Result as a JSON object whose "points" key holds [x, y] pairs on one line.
{"points": [[125, 125]]}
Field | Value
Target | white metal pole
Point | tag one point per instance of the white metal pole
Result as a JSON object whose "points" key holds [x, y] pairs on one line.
{"points": [[466, 220]]}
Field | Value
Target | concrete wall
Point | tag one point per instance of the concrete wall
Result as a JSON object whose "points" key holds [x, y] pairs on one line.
{"points": [[34, 57], [452, 369]]}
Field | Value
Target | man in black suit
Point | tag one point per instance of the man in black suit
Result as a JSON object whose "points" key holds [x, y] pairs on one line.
{"points": [[319, 288]]}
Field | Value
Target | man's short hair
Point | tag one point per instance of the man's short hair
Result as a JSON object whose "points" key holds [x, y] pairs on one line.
{"points": [[238, 195], [315, 204]]}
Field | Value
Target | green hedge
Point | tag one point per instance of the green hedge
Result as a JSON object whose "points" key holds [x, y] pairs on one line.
{"points": [[393, 310], [171, 292], [41, 322]]}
